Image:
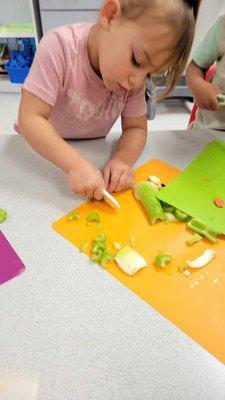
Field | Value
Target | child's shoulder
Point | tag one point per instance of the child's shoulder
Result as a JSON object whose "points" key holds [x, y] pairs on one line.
{"points": [[69, 34]]}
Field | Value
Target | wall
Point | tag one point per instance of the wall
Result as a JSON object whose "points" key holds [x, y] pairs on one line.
{"points": [[15, 11]]}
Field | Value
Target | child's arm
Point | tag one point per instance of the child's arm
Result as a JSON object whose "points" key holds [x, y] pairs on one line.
{"points": [[84, 179], [118, 173], [204, 55], [203, 92]]}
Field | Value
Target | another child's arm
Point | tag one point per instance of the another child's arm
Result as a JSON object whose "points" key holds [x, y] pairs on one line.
{"points": [[118, 173], [83, 177], [207, 52], [203, 92]]}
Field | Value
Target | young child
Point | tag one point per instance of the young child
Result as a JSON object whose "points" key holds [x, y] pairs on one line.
{"points": [[85, 76], [210, 50]]}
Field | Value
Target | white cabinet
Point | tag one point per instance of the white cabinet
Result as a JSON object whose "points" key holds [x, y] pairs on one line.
{"points": [[55, 13]]}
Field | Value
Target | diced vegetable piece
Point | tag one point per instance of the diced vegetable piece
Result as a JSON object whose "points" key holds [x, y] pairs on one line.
{"points": [[100, 252], [203, 229], [186, 273], [146, 194], [181, 216], [117, 245], [73, 216], [93, 217], [130, 261], [84, 247], [218, 203], [168, 209], [162, 260], [154, 186], [202, 260], [169, 217], [194, 239], [181, 269], [221, 98], [154, 179], [3, 215]]}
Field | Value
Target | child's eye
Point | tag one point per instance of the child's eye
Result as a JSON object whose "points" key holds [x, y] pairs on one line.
{"points": [[134, 61]]}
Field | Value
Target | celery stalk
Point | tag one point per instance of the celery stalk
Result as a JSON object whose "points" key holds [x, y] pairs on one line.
{"points": [[147, 196]]}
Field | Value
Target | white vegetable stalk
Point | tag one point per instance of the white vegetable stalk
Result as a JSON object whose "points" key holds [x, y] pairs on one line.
{"points": [[130, 261], [202, 260]]}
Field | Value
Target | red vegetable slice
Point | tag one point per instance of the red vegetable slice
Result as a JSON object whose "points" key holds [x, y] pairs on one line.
{"points": [[219, 202]]}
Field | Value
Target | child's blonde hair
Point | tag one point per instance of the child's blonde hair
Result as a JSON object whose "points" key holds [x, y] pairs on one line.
{"points": [[182, 15]]}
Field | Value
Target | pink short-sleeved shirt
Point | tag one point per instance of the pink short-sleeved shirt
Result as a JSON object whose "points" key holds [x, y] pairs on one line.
{"points": [[62, 76]]}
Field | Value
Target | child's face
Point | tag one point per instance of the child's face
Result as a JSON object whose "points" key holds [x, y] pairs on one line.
{"points": [[129, 50]]}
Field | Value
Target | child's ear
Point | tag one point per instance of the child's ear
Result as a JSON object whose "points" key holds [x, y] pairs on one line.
{"points": [[109, 11]]}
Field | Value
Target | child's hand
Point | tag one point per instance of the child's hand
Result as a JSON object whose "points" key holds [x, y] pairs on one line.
{"points": [[205, 95], [87, 181], [118, 175]]}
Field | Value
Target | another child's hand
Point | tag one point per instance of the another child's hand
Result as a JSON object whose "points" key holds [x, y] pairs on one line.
{"points": [[205, 95], [87, 181], [118, 175]]}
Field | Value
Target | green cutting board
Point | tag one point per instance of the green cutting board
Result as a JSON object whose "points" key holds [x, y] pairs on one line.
{"points": [[194, 190]]}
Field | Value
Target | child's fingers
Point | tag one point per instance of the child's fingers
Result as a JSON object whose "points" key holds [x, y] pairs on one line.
{"points": [[114, 180], [98, 193], [214, 105], [126, 182], [106, 176]]}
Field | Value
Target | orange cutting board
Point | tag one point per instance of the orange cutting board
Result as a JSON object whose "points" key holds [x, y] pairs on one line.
{"points": [[195, 304]]}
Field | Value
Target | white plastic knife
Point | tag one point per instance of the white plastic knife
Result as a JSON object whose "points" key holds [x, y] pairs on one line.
{"points": [[110, 199]]}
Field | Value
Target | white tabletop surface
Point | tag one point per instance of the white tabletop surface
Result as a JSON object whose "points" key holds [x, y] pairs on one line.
{"points": [[82, 332]]}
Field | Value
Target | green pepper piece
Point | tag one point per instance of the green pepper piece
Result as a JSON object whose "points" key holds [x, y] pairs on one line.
{"points": [[181, 216], [73, 216], [162, 260], [93, 217], [3, 215]]}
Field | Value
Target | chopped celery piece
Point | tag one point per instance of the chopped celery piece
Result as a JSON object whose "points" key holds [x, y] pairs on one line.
{"points": [[84, 247], [202, 260], [162, 260], [181, 216], [169, 217], [203, 229], [93, 217], [73, 216], [100, 252], [154, 179], [130, 261], [167, 208], [117, 246], [147, 195], [3, 215], [100, 238], [194, 239], [181, 269]]}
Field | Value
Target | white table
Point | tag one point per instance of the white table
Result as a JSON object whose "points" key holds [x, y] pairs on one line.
{"points": [[83, 333]]}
